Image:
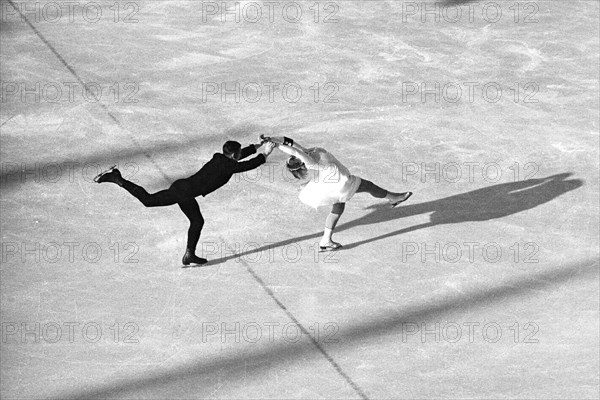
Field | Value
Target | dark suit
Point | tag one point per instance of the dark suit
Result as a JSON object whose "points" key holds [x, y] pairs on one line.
{"points": [[220, 169], [214, 174]]}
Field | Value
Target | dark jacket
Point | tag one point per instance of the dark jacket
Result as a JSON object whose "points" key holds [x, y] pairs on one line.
{"points": [[220, 169]]}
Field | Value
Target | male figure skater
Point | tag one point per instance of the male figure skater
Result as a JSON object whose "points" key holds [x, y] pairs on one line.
{"points": [[209, 178]]}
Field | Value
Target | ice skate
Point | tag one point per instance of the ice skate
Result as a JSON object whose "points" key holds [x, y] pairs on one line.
{"points": [[110, 175], [190, 258], [331, 246], [402, 199]]}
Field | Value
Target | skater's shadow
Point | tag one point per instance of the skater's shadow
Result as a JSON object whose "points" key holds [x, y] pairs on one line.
{"points": [[257, 362], [483, 204]]}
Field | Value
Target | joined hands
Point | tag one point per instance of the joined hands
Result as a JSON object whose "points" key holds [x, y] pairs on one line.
{"points": [[264, 139], [269, 146]]}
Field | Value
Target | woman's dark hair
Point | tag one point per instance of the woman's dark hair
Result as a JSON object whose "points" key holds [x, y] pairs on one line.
{"points": [[296, 167], [231, 148]]}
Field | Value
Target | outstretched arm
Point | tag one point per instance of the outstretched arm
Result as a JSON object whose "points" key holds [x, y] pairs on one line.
{"points": [[249, 150], [301, 154], [255, 162], [283, 140]]}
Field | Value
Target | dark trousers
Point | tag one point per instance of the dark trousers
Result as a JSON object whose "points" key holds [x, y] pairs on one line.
{"points": [[179, 193]]}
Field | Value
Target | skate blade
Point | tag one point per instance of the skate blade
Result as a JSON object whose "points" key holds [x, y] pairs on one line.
{"points": [[394, 205], [194, 265], [326, 249], [104, 172]]}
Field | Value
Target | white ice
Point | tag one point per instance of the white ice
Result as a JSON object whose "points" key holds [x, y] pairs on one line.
{"points": [[389, 316]]}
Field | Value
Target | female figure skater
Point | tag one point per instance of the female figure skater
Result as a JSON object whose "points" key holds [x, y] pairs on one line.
{"points": [[332, 183]]}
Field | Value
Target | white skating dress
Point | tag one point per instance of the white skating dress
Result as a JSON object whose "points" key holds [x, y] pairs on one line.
{"points": [[329, 182]]}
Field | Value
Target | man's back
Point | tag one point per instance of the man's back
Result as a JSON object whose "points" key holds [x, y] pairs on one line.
{"points": [[213, 174], [218, 171]]}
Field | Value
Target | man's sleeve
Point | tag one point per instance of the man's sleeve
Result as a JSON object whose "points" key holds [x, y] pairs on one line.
{"points": [[248, 151], [250, 164]]}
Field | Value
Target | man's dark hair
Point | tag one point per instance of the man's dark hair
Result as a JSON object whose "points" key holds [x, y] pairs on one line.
{"points": [[231, 147]]}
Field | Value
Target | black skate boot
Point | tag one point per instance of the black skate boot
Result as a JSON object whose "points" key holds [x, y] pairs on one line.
{"points": [[111, 175], [190, 258]]}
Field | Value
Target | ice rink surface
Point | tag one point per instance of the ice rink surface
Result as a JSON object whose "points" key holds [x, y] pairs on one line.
{"points": [[483, 285]]}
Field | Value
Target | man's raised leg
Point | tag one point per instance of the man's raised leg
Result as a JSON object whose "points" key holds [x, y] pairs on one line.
{"points": [[163, 198]]}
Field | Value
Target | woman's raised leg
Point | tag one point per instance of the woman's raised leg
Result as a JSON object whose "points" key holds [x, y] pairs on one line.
{"points": [[380, 193]]}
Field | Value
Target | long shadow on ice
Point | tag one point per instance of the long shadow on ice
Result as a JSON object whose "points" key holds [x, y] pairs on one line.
{"points": [[197, 378], [483, 204], [255, 362], [13, 175]]}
